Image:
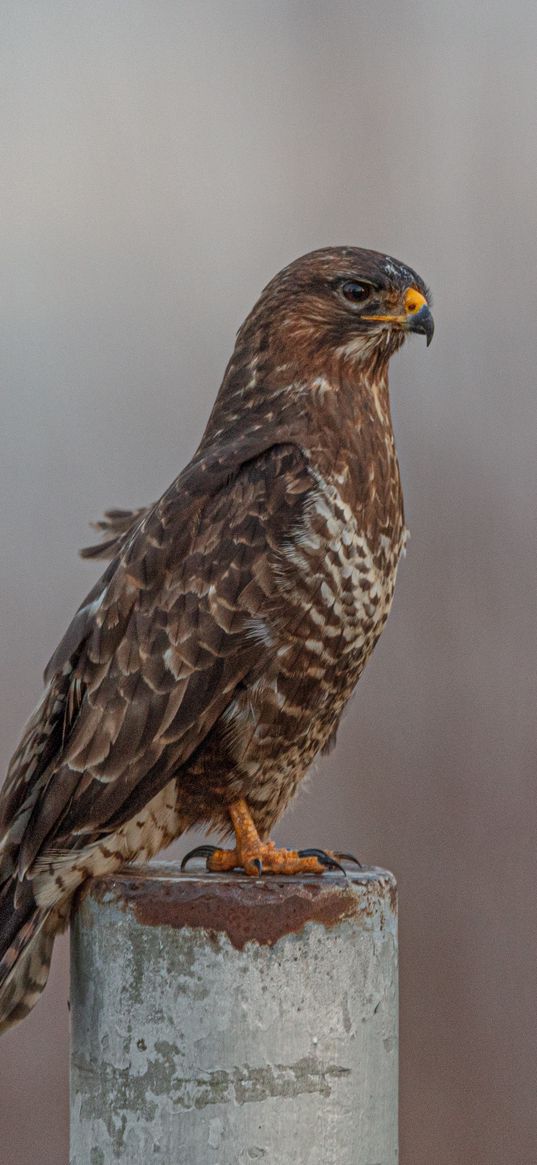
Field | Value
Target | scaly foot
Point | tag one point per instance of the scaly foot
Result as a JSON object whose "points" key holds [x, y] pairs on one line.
{"points": [[256, 857]]}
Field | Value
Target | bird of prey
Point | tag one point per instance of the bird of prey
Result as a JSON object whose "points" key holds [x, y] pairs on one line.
{"points": [[213, 659]]}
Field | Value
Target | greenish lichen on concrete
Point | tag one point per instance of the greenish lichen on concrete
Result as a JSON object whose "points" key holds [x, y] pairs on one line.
{"points": [[245, 1085], [285, 1080], [111, 1094]]}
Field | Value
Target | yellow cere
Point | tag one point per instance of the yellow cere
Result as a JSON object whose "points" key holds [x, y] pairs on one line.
{"points": [[414, 301]]}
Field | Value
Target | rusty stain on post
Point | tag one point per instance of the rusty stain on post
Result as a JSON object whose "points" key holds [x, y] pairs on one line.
{"points": [[245, 909]]}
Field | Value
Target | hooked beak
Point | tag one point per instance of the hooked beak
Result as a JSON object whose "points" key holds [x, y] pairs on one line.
{"points": [[418, 314], [416, 317]]}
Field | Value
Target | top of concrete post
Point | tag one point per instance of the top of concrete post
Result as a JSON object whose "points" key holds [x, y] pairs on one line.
{"points": [[245, 909]]}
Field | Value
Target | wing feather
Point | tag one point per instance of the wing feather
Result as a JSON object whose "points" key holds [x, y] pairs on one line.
{"points": [[114, 528], [156, 651]]}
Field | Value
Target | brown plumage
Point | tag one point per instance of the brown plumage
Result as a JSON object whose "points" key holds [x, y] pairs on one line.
{"points": [[213, 659]]}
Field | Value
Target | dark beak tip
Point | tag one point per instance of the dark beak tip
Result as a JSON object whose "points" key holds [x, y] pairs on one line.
{"points": [[423, 323]]}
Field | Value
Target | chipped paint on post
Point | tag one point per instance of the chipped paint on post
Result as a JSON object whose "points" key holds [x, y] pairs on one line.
{"points": [[223, 1020]]}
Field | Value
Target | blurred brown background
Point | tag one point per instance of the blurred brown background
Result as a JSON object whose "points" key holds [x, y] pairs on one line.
{"points": [[161, 161]]}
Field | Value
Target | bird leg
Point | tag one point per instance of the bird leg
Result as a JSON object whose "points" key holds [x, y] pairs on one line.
{"points": [[256, 857]]}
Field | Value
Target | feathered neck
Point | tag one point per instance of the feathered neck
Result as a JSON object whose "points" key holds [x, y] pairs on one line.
{"points": [[335, 406]]}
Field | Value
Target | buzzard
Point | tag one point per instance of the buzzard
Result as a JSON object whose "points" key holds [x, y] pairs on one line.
{"points": [[212, 660]]}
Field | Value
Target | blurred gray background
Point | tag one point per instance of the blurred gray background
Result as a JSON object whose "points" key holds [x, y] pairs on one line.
{"points": [[160, 162]]}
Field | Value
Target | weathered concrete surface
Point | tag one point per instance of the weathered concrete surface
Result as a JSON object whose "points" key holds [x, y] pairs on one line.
{"points": [[222, 1020]]}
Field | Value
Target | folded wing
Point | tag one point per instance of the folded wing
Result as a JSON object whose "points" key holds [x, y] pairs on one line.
{"points": [[154, 654]]}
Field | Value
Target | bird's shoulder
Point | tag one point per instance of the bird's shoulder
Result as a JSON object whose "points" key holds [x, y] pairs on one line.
{"points": [[210, 531]]}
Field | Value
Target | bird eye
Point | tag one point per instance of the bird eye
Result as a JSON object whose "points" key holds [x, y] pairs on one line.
{"points": [[355, 292]]}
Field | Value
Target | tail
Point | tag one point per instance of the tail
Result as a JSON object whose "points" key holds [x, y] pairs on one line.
{"points": [[27, 934]]}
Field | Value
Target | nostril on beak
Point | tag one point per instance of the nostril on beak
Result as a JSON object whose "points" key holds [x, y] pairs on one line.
{"points": [[414, 301]]}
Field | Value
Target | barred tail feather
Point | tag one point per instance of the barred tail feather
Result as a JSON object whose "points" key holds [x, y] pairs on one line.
{"points": [[27, 934]]}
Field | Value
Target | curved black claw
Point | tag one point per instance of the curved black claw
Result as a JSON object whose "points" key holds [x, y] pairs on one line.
{"points": [[201, 851], [349, 858], [322, 857], [258, 865]]}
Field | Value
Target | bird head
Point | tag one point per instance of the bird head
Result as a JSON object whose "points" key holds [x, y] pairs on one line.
{"points": [[344, 301]]}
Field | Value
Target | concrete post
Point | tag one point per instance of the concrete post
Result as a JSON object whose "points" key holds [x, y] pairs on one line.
{"points": [[225, 1020]]}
